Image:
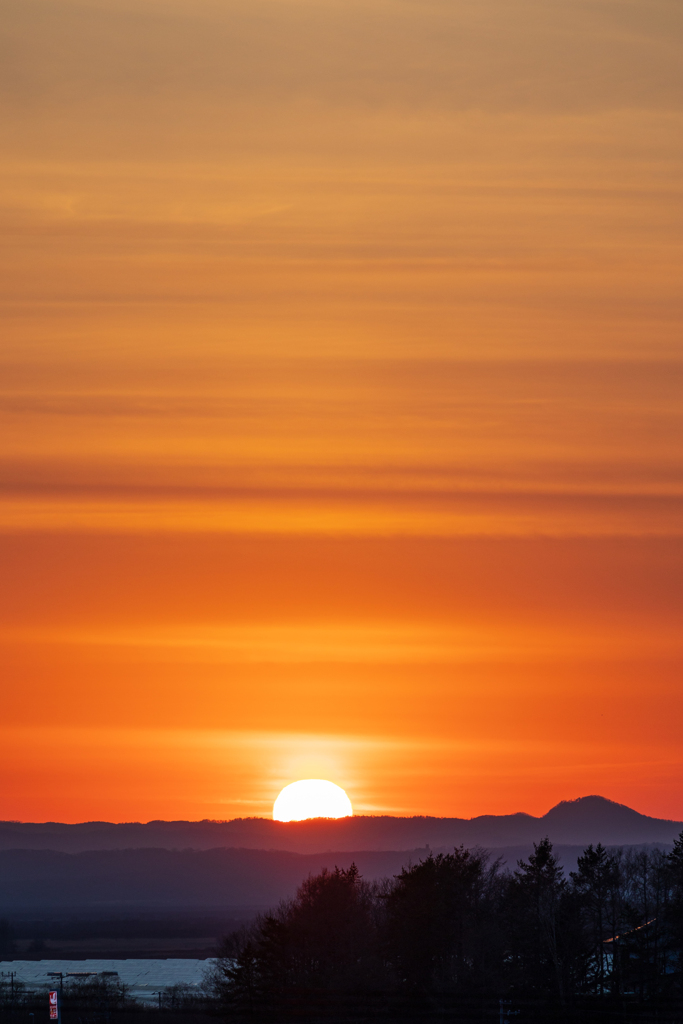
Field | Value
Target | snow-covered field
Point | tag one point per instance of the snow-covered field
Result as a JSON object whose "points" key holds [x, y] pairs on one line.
{"points": [[144, 979]]}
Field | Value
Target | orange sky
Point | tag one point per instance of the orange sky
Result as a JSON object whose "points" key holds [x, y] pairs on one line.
{"points": [[340, 403]]}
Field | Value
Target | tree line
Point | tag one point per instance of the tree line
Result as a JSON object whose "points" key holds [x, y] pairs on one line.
{"points": [[460, 936]]}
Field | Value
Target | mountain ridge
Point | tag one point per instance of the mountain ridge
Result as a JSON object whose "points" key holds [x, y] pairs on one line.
{"points": [[588, 819]]}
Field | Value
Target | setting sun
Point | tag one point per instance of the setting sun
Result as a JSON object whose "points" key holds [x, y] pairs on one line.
{"points": [[311, 798]]}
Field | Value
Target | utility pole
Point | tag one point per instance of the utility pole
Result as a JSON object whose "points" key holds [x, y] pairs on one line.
{"points": [[57, 974]]}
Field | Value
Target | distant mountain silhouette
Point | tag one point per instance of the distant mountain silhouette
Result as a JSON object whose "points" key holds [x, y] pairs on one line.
{"points": [[595, 814], [589, 819], [144, 882]]}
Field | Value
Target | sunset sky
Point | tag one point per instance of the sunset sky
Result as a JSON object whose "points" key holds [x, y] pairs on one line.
{"points": [[341, 390]]}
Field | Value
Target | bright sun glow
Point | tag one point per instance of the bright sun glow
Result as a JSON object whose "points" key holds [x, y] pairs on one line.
{"points": [[311, 798]]}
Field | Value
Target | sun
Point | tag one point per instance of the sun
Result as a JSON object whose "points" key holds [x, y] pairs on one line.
{"points": [[311, 798]]}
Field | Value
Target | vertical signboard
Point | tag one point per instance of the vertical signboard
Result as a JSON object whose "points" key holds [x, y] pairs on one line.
{"points": [[54, 1006]]}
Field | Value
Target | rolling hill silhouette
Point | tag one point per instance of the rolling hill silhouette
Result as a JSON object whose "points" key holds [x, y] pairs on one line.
{"points": [[589, 819]]}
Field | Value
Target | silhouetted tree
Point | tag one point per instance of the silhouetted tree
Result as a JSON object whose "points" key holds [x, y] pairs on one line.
{"points": [[237, 983], [646, 941], [596, 883], [538, 909], [675, 907], [311, 955], [439, 926]]}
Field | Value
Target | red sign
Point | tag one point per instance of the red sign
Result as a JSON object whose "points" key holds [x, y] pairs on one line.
{"points": [[54, 1006]]}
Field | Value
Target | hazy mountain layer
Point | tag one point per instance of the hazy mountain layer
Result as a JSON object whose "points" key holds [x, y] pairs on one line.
{"points": [[124, 883]]}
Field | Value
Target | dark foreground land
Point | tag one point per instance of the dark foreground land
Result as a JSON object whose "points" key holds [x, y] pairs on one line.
{"points": [[453, 937], [116, 934], [92, 1008], [541, 933]]}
